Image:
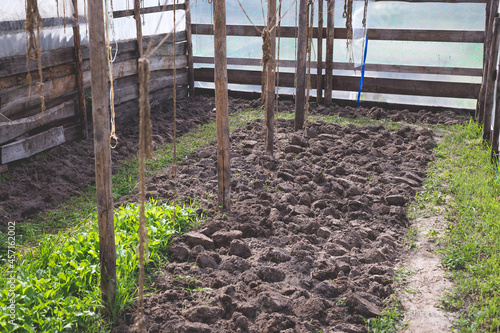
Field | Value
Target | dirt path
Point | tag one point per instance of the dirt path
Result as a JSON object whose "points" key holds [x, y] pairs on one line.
{"points": [[427, 283]]}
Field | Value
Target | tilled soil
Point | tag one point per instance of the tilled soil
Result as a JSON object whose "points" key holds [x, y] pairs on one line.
{"points": [[50, 178], [312, 238]]}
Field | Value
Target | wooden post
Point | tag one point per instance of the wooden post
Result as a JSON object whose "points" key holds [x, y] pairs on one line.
{"points": [[489, 82], [102, 150], [319, 75], [221, 104], [491, 12], [329, 51], [138, 26], [496, 123], [300, 89], [189, 39], [271, 76], [79, 78]]}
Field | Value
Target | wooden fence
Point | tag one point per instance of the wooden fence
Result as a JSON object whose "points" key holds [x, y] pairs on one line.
{"points": [[350, 83], [25, 131]]}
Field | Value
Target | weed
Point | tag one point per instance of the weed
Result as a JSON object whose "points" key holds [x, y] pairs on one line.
{"points": [[411, 234], [390, 321]]}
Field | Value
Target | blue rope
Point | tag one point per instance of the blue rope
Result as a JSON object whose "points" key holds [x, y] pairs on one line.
{"points": [[362, 71]]}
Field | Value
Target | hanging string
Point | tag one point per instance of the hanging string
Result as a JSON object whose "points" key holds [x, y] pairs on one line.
{"points": [[33, 46], [174, 167], [278, 68], [111, 59], [365, 13], [348, 24], [309, 52], [57, 9]]}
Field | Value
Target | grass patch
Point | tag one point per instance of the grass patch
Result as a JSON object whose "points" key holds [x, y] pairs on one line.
{"points": [[57, 283], [463, 171]]}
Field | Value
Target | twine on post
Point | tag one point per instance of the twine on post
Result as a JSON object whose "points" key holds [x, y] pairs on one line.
{"points": [[33, 46]]}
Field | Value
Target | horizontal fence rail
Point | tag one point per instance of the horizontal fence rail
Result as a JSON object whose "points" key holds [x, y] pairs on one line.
{"points": [[389, 86]]}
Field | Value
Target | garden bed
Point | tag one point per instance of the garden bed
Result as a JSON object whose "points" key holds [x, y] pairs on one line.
{"points": [[312, 237]]}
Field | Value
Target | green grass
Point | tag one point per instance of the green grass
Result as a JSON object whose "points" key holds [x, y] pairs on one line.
{"points": [[463, 171], [57, 283]]}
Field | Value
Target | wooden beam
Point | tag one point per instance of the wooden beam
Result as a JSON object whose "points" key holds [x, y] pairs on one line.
{"points": [[32, 145], [78, 73], [13, 129], [300, 89], [454, 71], [496, 123], [348, 102], [138, 26], [189, 39], [489, 84], [329, 51], [271, 77], [221, 104], [319, 63], [491, 13], [351, 83], [446, 36], [100, 113], [147, 10]]}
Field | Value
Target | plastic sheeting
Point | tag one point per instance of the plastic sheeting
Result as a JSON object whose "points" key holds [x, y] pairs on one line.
{"points": [[54, 35]]}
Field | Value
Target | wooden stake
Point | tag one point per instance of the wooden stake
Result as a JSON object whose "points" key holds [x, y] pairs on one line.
{"points": [[300, 89], [491, 12], [100, 114], [489, 83], [221, 104], [329, 51], [79, 78], [319, 77], [189, 40], [271, 76], [496, 123], [138, 26]]}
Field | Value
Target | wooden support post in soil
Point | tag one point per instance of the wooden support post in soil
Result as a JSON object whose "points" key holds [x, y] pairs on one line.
{"points": [[102, 150], [300, 89], [319, 77], [79, 78], [329, 51], [489, 82], [495, 135], [491, 13], [271, 75], [221, 104], [138, 26], [189, 41]]}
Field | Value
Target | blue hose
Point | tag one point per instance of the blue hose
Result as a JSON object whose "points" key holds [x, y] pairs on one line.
{"points": [[362, 71]]}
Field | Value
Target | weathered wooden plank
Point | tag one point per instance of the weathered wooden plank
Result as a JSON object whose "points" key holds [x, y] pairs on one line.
{"points": [[129, 67], [17, 64], [131, 44], [13, 129], [351, 83], [451, 36], [130, 92], [18, 100], [368, 67], [148, 10], [16, 81], [32, 145], [330, 35]]}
